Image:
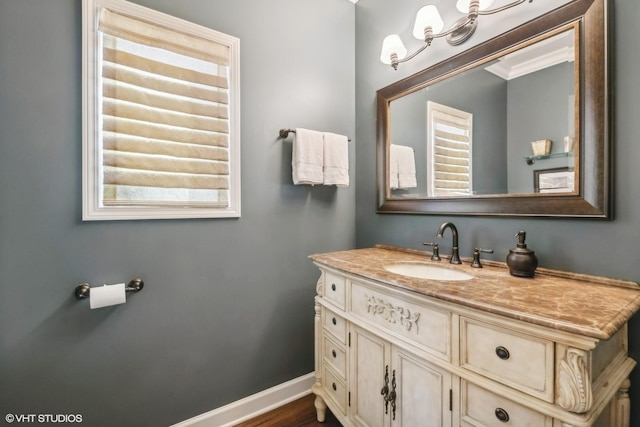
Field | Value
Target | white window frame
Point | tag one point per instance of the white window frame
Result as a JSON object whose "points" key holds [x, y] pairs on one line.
{"points": [[92, 206], [463, 116]]}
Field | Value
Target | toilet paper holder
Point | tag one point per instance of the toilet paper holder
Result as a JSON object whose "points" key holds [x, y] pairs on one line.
{"points": [[82, 291]]}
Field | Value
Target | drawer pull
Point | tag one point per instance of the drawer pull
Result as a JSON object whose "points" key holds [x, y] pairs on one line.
{"points": [[334, 354], [502, 353], [333, 286], [335, 387], [389, 394], [502, 415], [385, 389], [392, 395], [334, 321]]}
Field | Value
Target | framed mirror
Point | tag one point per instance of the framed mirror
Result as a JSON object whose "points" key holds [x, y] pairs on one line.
{"points": [[474, 135]]}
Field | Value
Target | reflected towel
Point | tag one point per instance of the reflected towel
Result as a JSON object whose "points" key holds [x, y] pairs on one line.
{"points": [[404, 160], [393, 166], [336, 160], [307, 157]]}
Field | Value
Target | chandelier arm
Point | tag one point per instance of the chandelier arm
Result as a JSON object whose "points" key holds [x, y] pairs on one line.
{"points": [[456, 27], [414, 54], [428, 43], [502, 8]]}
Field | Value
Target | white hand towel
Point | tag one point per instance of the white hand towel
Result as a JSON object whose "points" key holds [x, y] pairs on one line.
{"points": [[406, 166], [407, 169], [307, 157], [394, 153], [336, 160]]}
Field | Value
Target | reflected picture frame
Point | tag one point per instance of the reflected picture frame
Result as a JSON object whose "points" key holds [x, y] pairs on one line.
{"points": [[554, 180]]}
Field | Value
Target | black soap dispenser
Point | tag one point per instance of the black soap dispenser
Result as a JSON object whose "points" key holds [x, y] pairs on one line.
{"points": [[522, 262]]}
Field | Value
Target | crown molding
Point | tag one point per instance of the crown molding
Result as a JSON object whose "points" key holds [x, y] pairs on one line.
{"points": [[547, 53]]}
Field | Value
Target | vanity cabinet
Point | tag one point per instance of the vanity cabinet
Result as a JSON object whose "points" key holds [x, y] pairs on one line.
{"points": [[413, 391], [394, 352]]}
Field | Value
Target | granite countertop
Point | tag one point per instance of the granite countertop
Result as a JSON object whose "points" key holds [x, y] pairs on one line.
{"points": [[587, 305]]}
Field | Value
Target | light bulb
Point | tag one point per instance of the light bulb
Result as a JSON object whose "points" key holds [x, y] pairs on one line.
{"points": [[428, 16], [392, 44]]}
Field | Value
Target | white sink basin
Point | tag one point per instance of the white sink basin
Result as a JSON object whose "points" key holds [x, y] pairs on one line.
{"points": [[427, 271]]}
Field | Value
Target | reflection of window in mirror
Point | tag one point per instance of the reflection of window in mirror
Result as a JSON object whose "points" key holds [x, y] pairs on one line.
{"points": [[161, 128], [449, 151]]}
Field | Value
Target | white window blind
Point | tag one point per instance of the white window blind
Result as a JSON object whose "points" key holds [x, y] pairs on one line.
{"points": [[449, 151], [165, 121]]}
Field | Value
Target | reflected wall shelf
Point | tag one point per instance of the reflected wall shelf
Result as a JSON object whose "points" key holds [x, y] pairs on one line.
{"points": [[532, 159]]}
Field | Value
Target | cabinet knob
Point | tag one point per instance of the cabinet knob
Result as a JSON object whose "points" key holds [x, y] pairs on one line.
{"points": [[333, 286], [334, 321], [502, 415], [502, 353], [334, 354], [335, 387]]}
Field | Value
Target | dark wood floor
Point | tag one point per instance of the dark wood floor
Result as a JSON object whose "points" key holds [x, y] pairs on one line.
{"points": [[299, 413]]}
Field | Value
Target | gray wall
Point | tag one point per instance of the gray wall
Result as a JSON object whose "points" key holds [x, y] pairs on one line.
{"points": [[538, 109], [587, 246], [227, 309]]}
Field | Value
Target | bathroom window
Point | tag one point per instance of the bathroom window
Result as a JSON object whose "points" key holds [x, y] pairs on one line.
{"points": [[449, 151], [161, 116]]}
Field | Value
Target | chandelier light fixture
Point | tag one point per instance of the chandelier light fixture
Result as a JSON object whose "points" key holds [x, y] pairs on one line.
{"points": [[429, 26]]}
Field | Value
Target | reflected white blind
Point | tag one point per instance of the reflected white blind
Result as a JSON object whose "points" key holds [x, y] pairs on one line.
{"points": [[165, 115], [450, 152]]}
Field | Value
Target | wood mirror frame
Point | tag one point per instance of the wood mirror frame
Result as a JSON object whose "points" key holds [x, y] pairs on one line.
{"points": [[593, 145]]}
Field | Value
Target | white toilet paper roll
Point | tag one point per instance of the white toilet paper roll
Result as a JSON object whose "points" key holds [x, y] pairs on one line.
{"points": [[104, 296]]}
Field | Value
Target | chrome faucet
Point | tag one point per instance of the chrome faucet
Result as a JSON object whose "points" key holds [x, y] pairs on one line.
{"points": [[455, 254]]}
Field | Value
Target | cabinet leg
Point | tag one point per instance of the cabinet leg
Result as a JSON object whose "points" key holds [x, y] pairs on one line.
{"points": [[621, 406], [321, 409]]}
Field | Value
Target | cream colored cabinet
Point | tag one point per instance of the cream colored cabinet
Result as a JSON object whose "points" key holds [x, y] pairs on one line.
{"points": [[372, 380], [387, 356], [390, 386], [369, 369], [423, 391]]}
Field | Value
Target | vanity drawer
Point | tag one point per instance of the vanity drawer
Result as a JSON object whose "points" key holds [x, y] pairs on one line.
{"points": [[481, 408], [512, 358], [334, 288], [335, 325], [335, 355], [422, 324], [335, 388]]}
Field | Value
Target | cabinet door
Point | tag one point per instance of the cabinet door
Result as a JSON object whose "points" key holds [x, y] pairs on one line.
{"points": [[369, 359], [422, 392]]}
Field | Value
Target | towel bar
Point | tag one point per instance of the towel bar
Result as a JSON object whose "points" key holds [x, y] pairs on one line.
{"points": [[82, 291], [284, 133]]}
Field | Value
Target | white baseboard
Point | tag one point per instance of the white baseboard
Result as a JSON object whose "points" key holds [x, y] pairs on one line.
{"points": [[254, 405]]}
